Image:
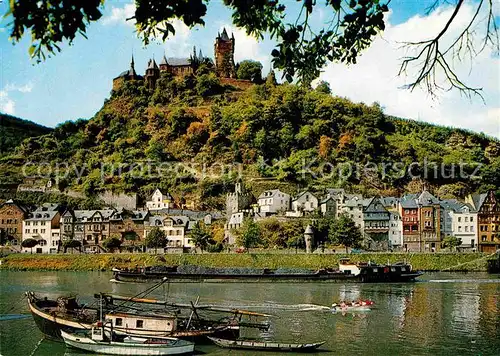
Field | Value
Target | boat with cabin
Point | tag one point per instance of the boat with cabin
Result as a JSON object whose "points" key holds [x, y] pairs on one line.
{"points": [[66, 313], [347, 272], [103, 341], [372, 272]]}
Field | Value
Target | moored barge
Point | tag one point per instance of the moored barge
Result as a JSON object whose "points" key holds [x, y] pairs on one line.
{"points": [[65, 313], [347, 272]]}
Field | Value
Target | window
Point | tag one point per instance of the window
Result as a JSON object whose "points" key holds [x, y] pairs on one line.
{"points": [[459, 229], [472, 228], [471, 219], [139, 324], [466, 229], [466, 219], [459, 219], [118, 322], [42, 231], [483, 238]]}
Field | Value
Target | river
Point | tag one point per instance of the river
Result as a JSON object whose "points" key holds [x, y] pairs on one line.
{"points": [[442, 314]]}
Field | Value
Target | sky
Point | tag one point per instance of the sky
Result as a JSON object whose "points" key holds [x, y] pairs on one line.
{"points": [[75, 82]]}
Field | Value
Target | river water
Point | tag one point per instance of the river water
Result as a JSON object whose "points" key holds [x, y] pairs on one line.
{"points": [[442, 314]]}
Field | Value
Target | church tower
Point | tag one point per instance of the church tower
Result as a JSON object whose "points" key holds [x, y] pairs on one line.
{"points": [[152, 74], [224, 55]]}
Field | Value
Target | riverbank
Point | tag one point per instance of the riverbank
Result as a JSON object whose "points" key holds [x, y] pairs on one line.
{"points": [[463, 262]]}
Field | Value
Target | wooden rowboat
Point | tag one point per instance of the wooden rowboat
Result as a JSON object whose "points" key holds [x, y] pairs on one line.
{"points": [[265, 345]]}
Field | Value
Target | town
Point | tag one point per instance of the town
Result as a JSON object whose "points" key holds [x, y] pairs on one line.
{"points": [[411, 223]]}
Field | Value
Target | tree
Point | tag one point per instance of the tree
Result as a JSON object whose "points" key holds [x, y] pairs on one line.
{"points": [[111, 243], [207, 85], [302, 50], [249, 234], [324, 87], [29, 243], [451, 242], [343, 231], [156, 239], [200, 236], [72, 244], [4, 237], [250, 70]]}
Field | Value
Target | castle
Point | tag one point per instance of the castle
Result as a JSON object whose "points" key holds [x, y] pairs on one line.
{"points": [[224, 64]]}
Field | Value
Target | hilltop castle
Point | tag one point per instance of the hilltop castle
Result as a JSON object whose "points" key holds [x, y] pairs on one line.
{"points": [[224, 64]]}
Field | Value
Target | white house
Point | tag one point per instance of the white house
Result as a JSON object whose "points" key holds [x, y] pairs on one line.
{"points": [[464, 226], [175, 228], [305, 202], [159, 201], [353, 207], [448, 209], [273, 201], [395, 230], [43, 226]]}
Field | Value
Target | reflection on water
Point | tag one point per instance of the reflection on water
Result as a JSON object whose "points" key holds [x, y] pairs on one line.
{"points": [[445, 314]]}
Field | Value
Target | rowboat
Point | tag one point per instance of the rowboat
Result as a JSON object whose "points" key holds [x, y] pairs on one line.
{"points": [[265, 345], [108, 344]]}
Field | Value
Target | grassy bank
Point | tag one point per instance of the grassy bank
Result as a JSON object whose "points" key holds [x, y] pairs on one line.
{"points": [[421, 261]]}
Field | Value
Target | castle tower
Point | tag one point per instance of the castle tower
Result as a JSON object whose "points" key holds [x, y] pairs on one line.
{"points": [[224, 55], [239, 200], [164, 64], [131, 72], [152, 74]]}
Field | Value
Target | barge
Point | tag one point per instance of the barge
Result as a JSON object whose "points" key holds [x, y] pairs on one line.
{"points": [[361, 272]]}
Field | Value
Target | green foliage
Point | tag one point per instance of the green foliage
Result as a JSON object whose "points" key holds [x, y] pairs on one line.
{"points": [[201, 236], [290, 133], [324, 87], [250, 70], [249, 234], [14, 130], [29, 243], [72, 244], [343, 231], [208, 85], [451, 242], [85, 262], [112, 243], [156, 238]]}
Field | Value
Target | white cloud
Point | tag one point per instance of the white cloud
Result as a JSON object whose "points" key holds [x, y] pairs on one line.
{"points": [[27, 88], [120, 15], [176, 45], [375, 78], [7, 104]]}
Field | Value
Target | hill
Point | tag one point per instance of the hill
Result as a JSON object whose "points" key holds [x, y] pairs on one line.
{"points": [[212, 133], [14, 130]]}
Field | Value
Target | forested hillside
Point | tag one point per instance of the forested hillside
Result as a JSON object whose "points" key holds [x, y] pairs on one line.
{"points": [[14, 130], [282, 136]]}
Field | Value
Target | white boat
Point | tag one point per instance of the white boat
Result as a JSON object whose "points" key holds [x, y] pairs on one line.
{"points": [[104, 342]]}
